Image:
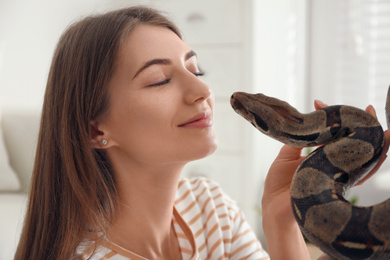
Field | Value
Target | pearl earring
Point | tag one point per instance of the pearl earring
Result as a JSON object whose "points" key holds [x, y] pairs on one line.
{"points": [[104, 142]]}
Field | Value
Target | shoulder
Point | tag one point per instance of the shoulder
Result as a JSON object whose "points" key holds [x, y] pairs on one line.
{"points": [[195, 185], [88, 249], [218, 225], [195, 182], [202, 203], [203, 191], [98, 248]]}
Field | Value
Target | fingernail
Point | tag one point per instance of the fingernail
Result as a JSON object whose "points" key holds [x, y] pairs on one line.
{"points": [[371, 110], [319, 102]]}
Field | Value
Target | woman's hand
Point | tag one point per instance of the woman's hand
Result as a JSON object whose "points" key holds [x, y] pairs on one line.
{"points": [[370, 109], [284, 238], [277, 184]]}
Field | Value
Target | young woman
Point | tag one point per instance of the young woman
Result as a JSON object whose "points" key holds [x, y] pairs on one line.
{"points": [[124, 111]]}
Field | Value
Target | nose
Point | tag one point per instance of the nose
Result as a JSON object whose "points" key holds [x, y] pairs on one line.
{"points": [[196, 90]]}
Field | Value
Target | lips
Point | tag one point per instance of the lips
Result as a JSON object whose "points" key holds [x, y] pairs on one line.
{"points": [[199, 121]]}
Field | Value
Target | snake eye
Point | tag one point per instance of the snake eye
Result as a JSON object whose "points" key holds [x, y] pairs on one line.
{"points": [[260, 122]]}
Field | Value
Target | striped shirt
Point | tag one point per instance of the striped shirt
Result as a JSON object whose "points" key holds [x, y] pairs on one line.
{"points": [[208, 224]]}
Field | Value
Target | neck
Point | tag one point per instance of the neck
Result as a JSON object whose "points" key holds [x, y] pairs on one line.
{"points": [[146, 199]]}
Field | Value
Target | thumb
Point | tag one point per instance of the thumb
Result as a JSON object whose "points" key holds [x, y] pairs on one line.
{"points": [[325, 257], [288, 153], [318, 104]]}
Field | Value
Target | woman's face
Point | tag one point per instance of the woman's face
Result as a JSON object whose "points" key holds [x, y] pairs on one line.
{"points": [[160, 110]]}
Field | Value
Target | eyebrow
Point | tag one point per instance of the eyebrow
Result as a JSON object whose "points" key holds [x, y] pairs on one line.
{"points": [[147, 64]]}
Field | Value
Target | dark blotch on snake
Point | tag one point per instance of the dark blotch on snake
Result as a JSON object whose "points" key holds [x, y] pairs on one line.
{"points": [[309, 138], [260, 123]]}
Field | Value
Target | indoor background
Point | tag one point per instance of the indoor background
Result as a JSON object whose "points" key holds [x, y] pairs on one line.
{"points": [[337, 51]]}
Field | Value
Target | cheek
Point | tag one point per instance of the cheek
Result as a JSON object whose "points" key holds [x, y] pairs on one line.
{"points": [[211, 100], [146, 119]]}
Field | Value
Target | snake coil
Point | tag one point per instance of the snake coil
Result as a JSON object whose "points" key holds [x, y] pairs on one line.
{"points": [[350, 143]]}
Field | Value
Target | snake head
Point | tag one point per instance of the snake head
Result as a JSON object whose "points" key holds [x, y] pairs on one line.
{"points": [[242, 103], [387, 108], [275, 118], [265, 113]]}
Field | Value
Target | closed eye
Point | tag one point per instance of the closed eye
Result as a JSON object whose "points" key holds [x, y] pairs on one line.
{"points": [[160, 83], [199, 74]]}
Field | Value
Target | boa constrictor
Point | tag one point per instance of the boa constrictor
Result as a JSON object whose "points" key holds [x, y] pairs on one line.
{"points": [[351, 143]]}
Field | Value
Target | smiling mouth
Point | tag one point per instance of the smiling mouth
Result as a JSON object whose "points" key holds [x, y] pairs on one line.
{"points": [[199, 121]]}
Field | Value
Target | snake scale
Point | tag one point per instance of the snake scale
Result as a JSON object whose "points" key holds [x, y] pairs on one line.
{"points": [[350, 143]]}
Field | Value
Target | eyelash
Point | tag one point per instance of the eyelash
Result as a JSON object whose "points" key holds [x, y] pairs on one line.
{"points": [[160, 83], [197, 74]]}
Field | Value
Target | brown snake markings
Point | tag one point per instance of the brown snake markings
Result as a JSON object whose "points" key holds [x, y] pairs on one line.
{"points": [[351, 143]]}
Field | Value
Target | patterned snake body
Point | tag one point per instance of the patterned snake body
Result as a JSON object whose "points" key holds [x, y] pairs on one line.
{"points": [[351, 144]]}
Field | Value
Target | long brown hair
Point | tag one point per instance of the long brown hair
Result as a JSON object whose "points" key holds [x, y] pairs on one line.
{"points": [[73, 188]]}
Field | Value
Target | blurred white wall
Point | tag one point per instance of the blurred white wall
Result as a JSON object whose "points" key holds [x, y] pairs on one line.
{"points": [[29, 30]]}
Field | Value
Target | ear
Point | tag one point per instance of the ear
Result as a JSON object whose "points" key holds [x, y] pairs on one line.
{"points": [[98, 138]]}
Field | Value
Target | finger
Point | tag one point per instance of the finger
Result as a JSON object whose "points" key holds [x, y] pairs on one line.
{"points": [[381, 160], [370, 109], [373, 171], [387, 141], [325, 257], [288, 152], [318, 104]]}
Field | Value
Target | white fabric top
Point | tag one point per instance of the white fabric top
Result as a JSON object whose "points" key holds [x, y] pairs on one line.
{"points": [[208, 224]]}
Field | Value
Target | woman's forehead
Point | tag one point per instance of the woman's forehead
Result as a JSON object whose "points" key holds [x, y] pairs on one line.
{"points": [[148, 42]]}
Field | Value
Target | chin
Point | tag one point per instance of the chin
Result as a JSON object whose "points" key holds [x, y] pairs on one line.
{"points": [[206, 150]]}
